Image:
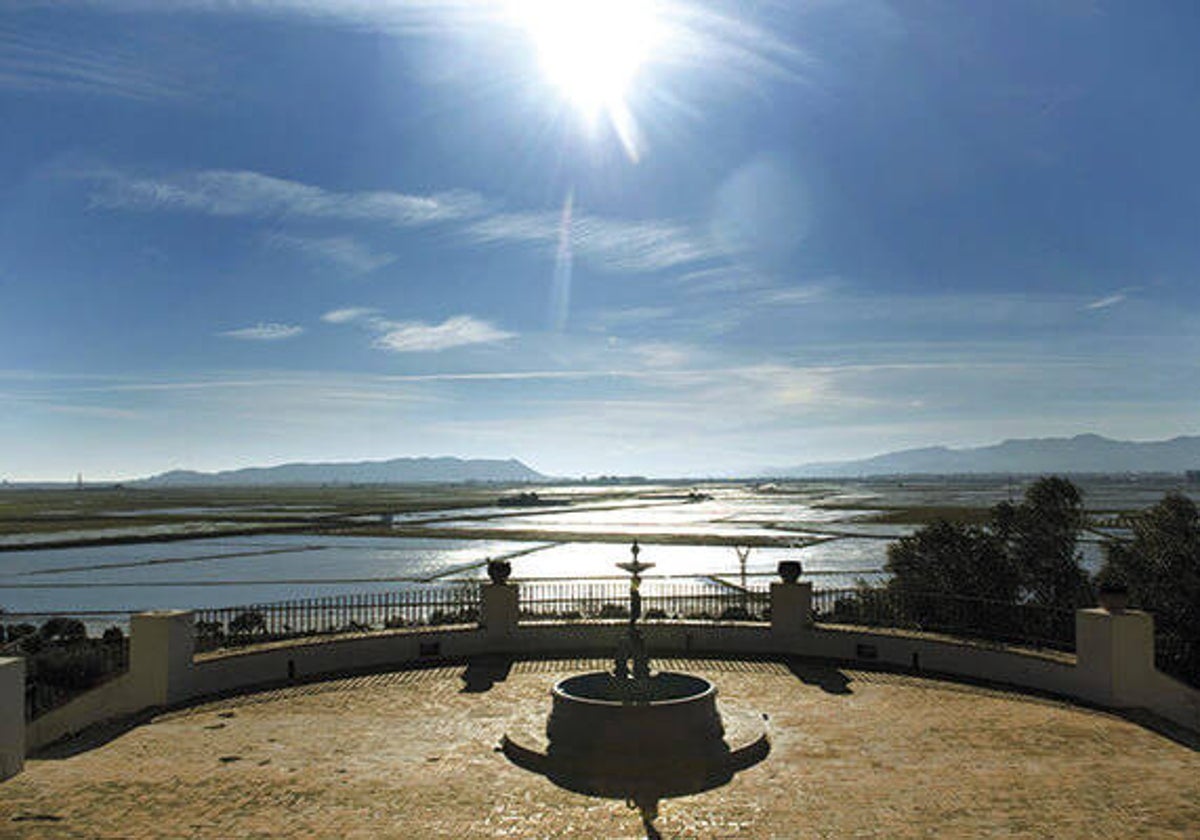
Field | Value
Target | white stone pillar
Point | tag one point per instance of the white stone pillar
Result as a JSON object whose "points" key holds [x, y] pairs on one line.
{"points": [[12, 716], [1114, 655], [498, 611], [791, 608], [161, 646]]}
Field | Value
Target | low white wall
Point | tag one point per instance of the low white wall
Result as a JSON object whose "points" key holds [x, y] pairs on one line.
{"points": [[1173, 700], [230, 671], [1025, 669], [668, 638], [114, 699], [12, 729], [1110, 670]]}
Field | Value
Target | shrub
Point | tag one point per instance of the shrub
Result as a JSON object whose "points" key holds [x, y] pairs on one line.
{"points": [[76, 668], [60, 629], [613, 611], [251, 621]]}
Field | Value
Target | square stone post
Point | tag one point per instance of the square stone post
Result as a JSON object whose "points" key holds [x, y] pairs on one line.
{"points": [[791, 608], [498, 613], [1114, 655], [161, 646], [12, 716]]}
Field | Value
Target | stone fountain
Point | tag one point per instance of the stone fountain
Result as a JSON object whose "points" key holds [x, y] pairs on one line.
{"points": [[635, 734]]}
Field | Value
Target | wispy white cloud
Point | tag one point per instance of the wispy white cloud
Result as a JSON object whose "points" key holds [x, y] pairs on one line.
{"points": [[264, 332], [1107, 301], [231, 193], [348, 314], [48, 62], [607, 244], [692, 34], [631, 316], [95, 411], [418, 337], [661, 354], [345, 252], [618, 245], [795, 295]]}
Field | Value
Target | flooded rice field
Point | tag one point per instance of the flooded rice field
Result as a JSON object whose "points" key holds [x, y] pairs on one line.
{"points": [[838, 530]]}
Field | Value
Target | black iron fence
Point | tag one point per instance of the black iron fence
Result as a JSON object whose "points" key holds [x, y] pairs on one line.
{"points": [[662, 600], [415, 606], [62, 660], [1027, 625], [1178, 656], [56, 674], [65, 654]]}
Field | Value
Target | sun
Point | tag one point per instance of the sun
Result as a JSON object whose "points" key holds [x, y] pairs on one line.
{"points": [[592, 50]]}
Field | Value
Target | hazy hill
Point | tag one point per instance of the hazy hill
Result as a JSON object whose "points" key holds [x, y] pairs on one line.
{"points": [[1080, 454], [395, 471]]}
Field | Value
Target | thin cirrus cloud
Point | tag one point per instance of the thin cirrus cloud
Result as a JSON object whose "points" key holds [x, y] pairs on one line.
{"points": [[612, 244], [238, 193], [48, 63], [349, 314], [264, 332], [419, 337], [1107, 301], [698, 34], [620, 245], [345, 252]]}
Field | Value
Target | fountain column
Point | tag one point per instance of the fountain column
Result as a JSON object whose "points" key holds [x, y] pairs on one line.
{"points": [[633, 652]]}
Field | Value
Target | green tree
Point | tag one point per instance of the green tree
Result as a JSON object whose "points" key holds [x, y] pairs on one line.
{"points": [[958, 559], [1041, 536], [1027, 552], [1160, 565]]}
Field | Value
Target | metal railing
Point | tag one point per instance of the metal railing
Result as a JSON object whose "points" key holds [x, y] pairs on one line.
{"points": [[66, 653], [415, 606], [1178, 656], [1027, 625], [662, 600], [59, 672]]}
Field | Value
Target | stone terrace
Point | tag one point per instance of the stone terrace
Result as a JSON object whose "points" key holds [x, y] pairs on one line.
{"points": [[411, 754]]}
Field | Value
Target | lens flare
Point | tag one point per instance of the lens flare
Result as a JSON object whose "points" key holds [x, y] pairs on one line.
{"points": [[592, 51], [560, 291]]}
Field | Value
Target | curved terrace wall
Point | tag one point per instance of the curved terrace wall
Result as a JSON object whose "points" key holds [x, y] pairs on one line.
{"points": [[1113, 666]]}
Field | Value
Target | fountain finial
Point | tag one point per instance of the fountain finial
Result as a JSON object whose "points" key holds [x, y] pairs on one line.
{"points": [[635, 567]]}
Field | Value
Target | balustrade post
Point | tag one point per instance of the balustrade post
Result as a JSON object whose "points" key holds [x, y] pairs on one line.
{"points": [[791, 609], [1115, 655], [161, 647], [498, 612], [12, 716]]}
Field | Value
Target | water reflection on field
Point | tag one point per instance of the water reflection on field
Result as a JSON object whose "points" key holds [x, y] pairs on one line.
{"points": [[821, 524]]}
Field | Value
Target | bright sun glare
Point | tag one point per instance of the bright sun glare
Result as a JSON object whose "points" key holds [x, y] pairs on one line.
{"points": [[591, 50]]}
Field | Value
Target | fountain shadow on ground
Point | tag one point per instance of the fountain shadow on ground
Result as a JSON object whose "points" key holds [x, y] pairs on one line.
{"points": [[640, 782]]}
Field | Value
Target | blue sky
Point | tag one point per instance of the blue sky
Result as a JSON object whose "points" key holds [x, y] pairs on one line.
{"points": [[661, 238]]}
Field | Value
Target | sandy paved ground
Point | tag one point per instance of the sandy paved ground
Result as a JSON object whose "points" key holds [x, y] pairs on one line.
{"points": [[411, 754]]}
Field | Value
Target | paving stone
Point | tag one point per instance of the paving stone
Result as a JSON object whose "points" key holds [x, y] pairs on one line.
{"points": [[412, 754]]}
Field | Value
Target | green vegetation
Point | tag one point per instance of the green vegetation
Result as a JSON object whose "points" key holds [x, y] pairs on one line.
{"points": [[1026, 553], [62, 661], [1160, 568]]}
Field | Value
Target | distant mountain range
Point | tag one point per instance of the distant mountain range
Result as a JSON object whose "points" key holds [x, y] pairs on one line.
{"points": [[395, 471], [1079, 454]]}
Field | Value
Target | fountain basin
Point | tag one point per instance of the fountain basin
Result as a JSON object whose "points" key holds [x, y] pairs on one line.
{"points": [[668, 718]]}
